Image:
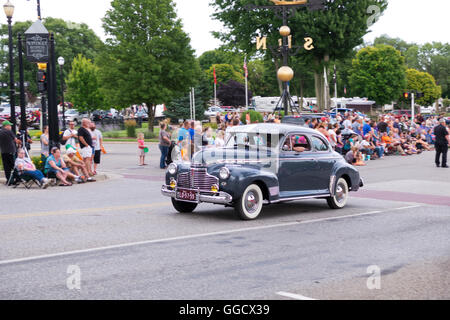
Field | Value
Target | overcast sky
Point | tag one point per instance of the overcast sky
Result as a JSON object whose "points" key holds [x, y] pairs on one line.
{"points": [[417, 21]]}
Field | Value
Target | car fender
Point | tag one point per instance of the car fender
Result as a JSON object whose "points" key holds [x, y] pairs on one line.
{"points": [[242, 177], [349, 172]]}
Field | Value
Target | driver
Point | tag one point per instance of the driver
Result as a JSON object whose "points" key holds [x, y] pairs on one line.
{"points": [[296, 141]]}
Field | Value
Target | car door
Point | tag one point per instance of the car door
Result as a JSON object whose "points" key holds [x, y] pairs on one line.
{"points": [[326, 159], [296, 173]]}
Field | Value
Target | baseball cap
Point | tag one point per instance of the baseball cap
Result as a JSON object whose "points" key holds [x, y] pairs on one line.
{"points": [[71, 151], [6, 123]]}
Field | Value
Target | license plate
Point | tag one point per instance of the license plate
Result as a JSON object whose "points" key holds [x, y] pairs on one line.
{"points": [[187, 195]]}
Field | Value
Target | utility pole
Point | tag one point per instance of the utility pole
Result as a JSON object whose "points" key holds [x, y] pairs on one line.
{"points": [[193, 104]]}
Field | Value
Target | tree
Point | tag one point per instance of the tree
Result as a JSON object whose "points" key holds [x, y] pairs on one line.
{"points": [[423, 82], [220, 56], [433, 58], [224, 73], [71, 39], [232, 93], [336, 31], [379, 73], [262, 78], [180, 108], [148, 57], [83, 85]]}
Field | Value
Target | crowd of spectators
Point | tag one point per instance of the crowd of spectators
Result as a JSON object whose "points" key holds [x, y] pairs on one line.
{"points": [[358, 138], [75, 160]]}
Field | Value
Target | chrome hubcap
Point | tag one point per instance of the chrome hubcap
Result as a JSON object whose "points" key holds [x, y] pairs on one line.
{"points": [[251, 202], [341, 195]]}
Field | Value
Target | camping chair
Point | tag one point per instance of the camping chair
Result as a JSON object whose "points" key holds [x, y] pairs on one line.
{"points": [[18, 178]]}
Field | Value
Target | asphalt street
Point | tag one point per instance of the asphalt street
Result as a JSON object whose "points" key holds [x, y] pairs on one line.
{"points": [[126, 241]]}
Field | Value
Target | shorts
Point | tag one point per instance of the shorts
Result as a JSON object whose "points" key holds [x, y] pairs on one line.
{"points": [[97, 156], [141, 153], [86, 152]]}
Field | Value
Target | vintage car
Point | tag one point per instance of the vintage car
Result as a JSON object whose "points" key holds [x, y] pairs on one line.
{"points": [[262, 164]]}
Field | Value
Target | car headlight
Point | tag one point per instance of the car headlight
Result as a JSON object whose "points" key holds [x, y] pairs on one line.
{"points": [[172, 169], [224, 173]]}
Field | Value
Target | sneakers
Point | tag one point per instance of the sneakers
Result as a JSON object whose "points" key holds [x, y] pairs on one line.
{"points": [[79, 180], [45, 183]]}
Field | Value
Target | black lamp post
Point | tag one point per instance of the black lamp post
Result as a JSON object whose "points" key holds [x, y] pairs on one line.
{"points": [[61, 62], [9, 11]]}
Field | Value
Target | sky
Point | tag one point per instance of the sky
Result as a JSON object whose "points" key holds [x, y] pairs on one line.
{"points": [[418, 21]]}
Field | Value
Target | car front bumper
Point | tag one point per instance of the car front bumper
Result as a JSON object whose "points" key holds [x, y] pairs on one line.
{"points": [[217, 198]]}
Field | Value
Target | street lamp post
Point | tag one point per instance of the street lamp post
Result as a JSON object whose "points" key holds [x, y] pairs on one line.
{"points": [[9, 11], [61, 62], [284, 10]]}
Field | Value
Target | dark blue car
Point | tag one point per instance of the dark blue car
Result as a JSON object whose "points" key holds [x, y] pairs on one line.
{"points": [[262, 164]]}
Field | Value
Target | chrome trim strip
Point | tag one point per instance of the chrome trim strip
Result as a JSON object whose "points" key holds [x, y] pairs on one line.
{"points": [[222, 197], [302, 198], [332, 185]]}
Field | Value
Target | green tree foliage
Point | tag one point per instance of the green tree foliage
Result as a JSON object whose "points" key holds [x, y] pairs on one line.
{"points": [[262, 78], [433, 58], [71, 40], [336, 31], [423, 82], [148, 57], [232, 93], [224, 73], [180, 108], [83, 85], [379, 74], [221, 56]]}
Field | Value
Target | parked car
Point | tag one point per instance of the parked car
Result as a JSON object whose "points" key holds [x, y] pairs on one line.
{"points": [[212, 111], [300, 120], [402, 113], [342, 111], [75, 116], [262, 163]]}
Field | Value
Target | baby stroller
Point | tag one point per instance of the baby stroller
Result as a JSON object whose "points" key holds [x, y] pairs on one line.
{"points": [[18, 178]]}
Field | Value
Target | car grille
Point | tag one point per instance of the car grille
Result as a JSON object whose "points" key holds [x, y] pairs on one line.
{"points": [[197, 178]]}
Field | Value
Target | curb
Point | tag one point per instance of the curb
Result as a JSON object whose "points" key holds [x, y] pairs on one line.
{"points": [[98, 178]]}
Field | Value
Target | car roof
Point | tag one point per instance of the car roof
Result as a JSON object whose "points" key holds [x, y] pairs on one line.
{"points": [[271, 128]]}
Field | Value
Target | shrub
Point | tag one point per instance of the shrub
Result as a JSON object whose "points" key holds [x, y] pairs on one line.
{"points": [[37, 161], [112, 134], [255, 117], [130, 126], [149, 135]]}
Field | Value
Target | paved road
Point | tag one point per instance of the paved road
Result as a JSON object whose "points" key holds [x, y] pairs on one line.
{"points": [[128, 242]]}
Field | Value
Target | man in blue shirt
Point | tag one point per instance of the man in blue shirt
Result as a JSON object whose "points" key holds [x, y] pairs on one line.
{"points": [[183, 133], [367, 128]]}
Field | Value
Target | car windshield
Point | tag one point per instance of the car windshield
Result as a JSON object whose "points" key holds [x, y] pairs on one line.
{"points": [[253, 140]]}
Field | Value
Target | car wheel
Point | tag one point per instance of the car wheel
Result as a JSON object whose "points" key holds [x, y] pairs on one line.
{"points": [[249, 205], [184, 207], [339, 200]]}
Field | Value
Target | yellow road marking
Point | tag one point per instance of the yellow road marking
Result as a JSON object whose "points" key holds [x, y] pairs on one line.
{"points": [[81, 211]]}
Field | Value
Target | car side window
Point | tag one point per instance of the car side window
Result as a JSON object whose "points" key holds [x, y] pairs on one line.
{"points": [[296, 143], [319, 145]]}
